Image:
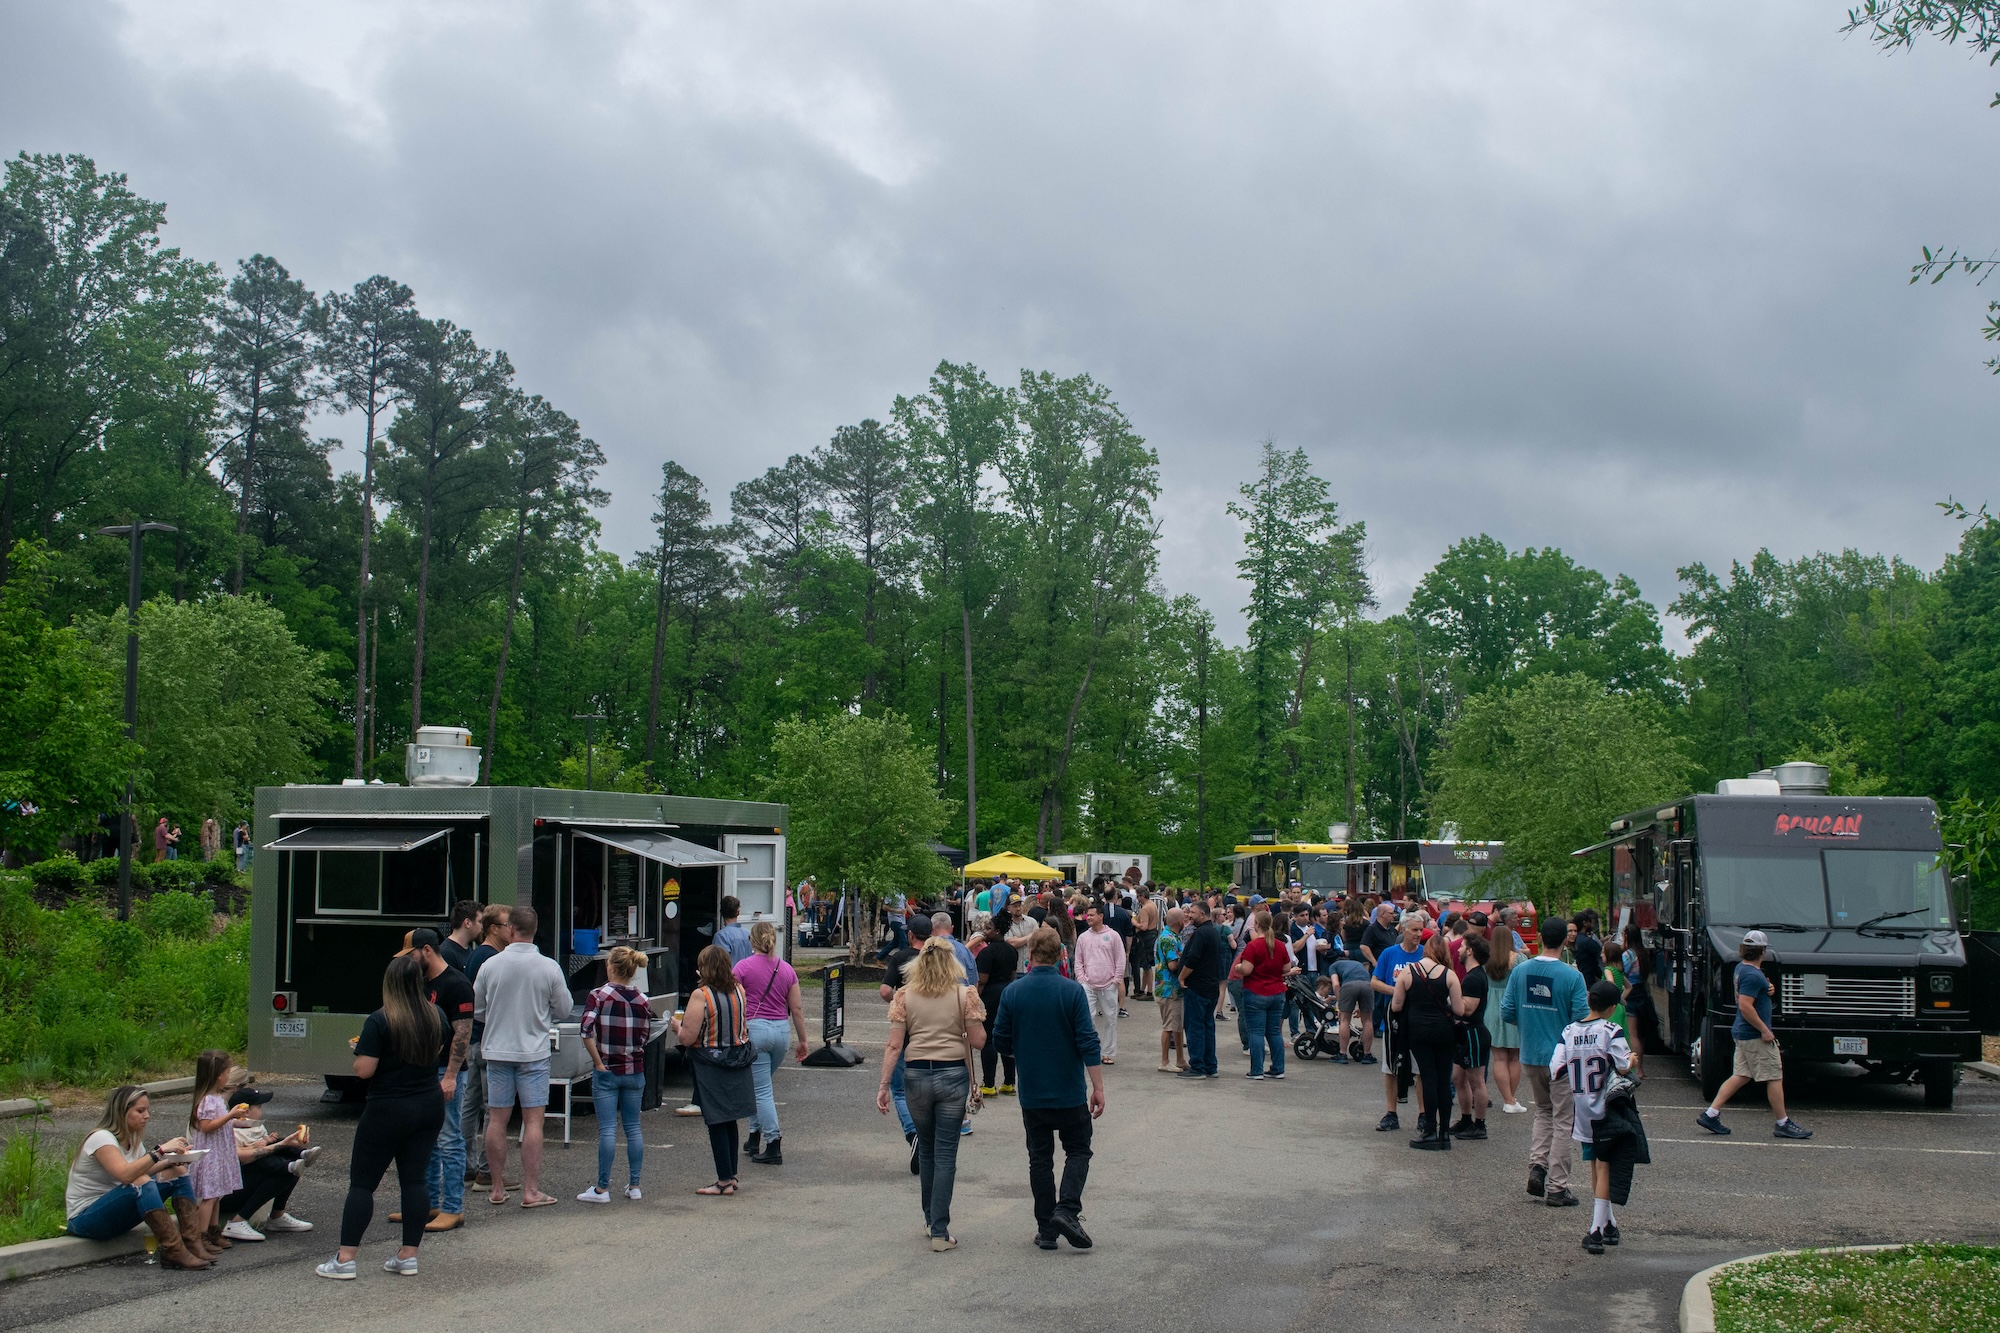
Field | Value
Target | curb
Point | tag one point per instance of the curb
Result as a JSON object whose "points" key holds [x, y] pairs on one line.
{"points": [[166, 1087], [1983, 1068], [46, 1256], [1698, 1305]]}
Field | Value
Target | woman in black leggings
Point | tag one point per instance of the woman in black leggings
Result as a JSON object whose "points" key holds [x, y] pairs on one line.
{"points": [[399, 1052], [1428, 998], [998, 962]]}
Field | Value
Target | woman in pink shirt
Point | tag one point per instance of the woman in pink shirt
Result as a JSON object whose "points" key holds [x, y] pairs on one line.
{"points": [[776, 1011]]}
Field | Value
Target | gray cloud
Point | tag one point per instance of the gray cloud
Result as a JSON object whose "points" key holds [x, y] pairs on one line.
{"points": [[1627, 282]]}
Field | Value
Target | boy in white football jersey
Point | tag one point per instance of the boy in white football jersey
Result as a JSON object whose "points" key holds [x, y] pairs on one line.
{"points": [[1589, 1054]]}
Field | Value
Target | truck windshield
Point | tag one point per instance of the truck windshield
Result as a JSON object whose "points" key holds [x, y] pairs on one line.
{"points": [[1442, 882], [1745, 889], [1904, 890]]}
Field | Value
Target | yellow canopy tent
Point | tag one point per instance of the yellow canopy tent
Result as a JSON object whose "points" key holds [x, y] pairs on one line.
{"points": [[1012, 864]]}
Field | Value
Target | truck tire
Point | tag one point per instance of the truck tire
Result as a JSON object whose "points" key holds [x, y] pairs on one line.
{"points": [[1940, 1080], [1718, 1057]]}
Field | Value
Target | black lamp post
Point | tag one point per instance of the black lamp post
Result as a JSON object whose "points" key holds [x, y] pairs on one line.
{"points": [[588, 720], [136, 531]]}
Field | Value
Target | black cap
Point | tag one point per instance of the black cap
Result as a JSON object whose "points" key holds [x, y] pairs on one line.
{"points": [[423, 937], [1604, 995], [920, 926], [248, 1096]]}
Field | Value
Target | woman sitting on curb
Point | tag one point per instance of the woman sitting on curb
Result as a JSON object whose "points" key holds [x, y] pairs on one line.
{"points": [[117, 1182]]}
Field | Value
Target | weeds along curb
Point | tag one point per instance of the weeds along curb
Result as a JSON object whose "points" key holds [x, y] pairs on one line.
{"points": [[1698, 1304], [21, 1106]]}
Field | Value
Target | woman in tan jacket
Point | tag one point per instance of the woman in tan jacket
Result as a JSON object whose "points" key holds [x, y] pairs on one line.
{"points": [[936, 1022]]}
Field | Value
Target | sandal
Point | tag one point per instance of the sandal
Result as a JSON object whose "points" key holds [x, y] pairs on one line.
{"points": [[538, 1200], [712, 1191], [497, 1200]]}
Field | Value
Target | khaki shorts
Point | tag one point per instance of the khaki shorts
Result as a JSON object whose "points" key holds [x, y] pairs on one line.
{"points": [[1171, 1019], [1758, 1060]]}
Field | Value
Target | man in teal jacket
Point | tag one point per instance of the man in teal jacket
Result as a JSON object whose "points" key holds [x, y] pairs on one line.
{"points": [[1044, 1023], [1544, 996]]}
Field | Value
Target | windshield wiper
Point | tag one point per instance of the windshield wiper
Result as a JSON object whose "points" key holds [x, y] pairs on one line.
{"points": [[1891, 916], [1777, 925]]}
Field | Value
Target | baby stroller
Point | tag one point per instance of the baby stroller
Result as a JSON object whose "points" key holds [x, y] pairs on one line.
{"points": [[1319, 1025]]}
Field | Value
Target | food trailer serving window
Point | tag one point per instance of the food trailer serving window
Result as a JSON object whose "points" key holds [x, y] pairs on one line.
{"points": [[661, 847], [352, 875]]}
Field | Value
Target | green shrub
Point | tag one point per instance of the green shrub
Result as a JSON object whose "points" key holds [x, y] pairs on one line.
{"points": [[85, 998], [61, 873], [103, 873], [34, 1173], [174, 875]]}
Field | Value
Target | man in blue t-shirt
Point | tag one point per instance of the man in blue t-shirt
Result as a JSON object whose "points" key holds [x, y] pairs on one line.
{"points": [[1544, 996], [1757, 1059], [1395, 1046]]}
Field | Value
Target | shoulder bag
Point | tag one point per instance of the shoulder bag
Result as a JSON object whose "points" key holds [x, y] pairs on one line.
{"points": [[735, 1055]]}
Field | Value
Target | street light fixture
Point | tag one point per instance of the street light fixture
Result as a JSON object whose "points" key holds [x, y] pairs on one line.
{"points": [[136, 531]]}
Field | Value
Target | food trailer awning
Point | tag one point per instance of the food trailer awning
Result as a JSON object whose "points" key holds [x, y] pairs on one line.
{"points": [[348, 838], [1612, 841], [655, 844]]}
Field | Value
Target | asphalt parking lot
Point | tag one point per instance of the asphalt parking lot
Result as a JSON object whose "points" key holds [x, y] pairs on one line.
{"points": [[1228, 1203]]}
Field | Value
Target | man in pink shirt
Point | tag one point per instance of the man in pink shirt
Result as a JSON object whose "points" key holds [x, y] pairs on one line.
{"points": [[1100, 966]]}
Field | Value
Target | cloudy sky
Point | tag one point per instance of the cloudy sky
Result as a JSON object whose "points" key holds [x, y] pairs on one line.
{"points": [[1629, 280]]}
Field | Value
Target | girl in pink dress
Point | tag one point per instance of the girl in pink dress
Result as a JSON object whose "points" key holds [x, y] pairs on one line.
{"points": [[212, 1126]]}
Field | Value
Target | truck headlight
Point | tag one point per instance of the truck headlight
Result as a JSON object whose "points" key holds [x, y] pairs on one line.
{"points": [[1940, 983]]}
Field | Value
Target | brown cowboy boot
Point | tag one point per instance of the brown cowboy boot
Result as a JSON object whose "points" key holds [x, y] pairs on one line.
{"points": [[213, 1240], [173, 1254], [188, 1213]]}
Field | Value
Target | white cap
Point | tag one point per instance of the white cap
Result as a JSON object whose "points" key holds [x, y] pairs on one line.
{"points": [[1757, 938]]}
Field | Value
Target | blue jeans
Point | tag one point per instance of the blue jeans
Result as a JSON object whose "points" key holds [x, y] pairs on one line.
{"points": [[899, 938], [111, 1215], [444, 1174], [901, 1101], [615, 1099], [772, 1037], [1236, 997], [937, 1103], [1198, 1017], [1267, 1025]]}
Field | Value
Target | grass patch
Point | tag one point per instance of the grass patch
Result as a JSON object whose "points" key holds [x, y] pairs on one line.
{"points": [[34, 1173], [88, 999], [1933, 1288]]}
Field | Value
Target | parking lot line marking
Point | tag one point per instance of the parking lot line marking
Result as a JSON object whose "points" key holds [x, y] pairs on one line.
{"points": [[1847, 1110], [1840, 1147]]}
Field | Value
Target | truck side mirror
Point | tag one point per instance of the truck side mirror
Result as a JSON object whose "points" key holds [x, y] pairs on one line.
{"points": [[1961, 902]]}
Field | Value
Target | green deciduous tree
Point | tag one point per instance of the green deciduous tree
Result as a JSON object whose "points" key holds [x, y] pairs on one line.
{"points": [[1544, 765]]}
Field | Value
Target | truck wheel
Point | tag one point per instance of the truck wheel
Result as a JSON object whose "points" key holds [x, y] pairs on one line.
{"points": [[1718, 1056], [1940, 1079]]}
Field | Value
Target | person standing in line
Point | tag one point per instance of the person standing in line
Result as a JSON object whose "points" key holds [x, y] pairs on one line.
{"points": [[518, 995], [998, 965], [895, 908], [936, 1022], [1199, 972], [1166, 989], [1397, 1061], [461, 931], [1504, 1036], [1354, 999], [398, 1052], [715, 1026], [472, 1113], [1473, 1048], [892, 981], [1145, 941], [777, 1010], [1545, 995], [1428, 1000], [1311, 950], [1045, 1021], [1380, 932], [1118, 916], [616, 1023], [444, 1178], [242, 840], [732, 937], [1262, 967], [1100, 966], [1757, 1058], [1588, 948], [941, 929], [211, 839]]}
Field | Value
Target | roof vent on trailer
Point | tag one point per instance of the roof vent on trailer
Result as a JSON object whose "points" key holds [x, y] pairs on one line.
{"points": [[441, 757], [1799, 778]]}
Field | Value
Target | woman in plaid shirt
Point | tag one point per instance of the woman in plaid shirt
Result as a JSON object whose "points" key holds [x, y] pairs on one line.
{"points": [[616, 1020]]}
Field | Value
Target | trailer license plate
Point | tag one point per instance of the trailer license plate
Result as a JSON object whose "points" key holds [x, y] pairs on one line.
{"points": [[1850, 1045], [288, 1027]]}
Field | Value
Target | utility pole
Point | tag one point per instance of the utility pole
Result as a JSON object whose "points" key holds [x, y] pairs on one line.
{"points": [[590, 721], [1201, 751], [137, 532]]}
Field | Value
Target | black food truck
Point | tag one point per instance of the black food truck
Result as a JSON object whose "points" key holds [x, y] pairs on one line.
{"points": [[1867, 964], [341, 872]]}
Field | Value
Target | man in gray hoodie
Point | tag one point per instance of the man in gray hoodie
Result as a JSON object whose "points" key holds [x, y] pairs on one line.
{"points": [[519, 995]]}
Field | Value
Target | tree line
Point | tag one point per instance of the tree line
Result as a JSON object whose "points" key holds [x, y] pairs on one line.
{"points": [[980, 564]]}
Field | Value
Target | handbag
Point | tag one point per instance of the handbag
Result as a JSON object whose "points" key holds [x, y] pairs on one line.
{"points": [[736, 1055]]}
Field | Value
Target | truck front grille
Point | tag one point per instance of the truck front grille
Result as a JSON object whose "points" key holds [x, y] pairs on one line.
{"points": [[1816, 993]]}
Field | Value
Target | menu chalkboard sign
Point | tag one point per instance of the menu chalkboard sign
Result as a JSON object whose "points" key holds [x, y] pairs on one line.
{"points": [[625, 876]]}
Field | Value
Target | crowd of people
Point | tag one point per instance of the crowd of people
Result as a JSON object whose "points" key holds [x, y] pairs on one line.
{"points": [[1464, 1014]]}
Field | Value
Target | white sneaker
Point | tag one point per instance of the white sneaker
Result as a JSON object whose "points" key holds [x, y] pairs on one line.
{"points": [[400, 1267], [333, 1268], [594, 1195], [632, 1193], [303, 1160], [286, 1222], [238, 1229], [692, 1108], [1514, 1108]]}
